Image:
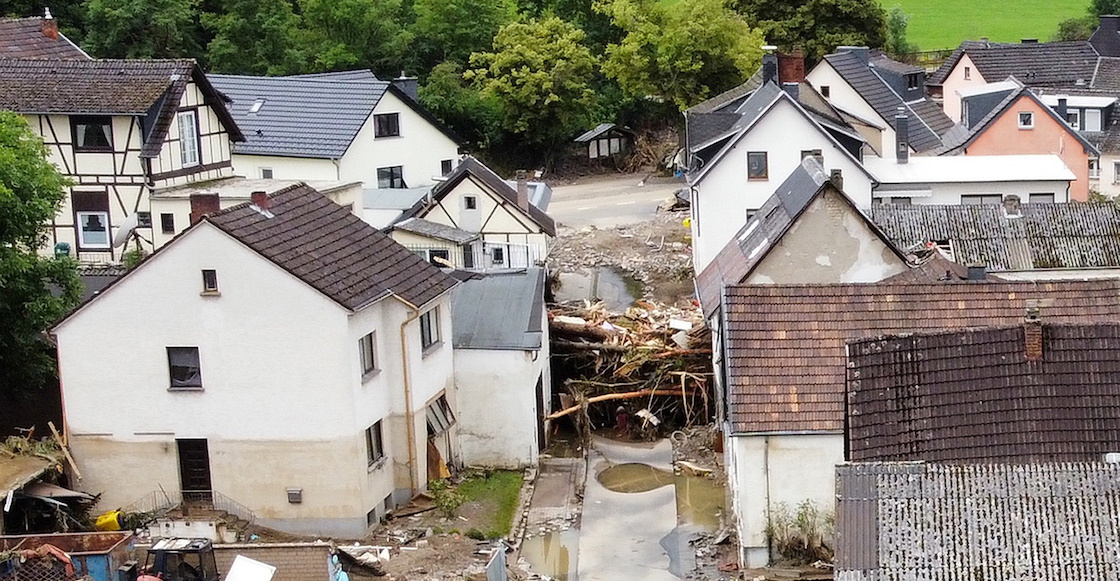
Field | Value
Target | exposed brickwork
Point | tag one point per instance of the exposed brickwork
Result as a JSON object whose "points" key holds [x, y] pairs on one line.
{"points": [[293, 561]]}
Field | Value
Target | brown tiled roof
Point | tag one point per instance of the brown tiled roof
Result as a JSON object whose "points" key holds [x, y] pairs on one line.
{"points": [[972, 396], [934, 268], [23, 38], [332, 250], [785, 343]]}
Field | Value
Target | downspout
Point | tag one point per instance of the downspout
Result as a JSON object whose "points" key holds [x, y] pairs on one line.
{"points": [[769, 512], [337, 169], [409, 427]]}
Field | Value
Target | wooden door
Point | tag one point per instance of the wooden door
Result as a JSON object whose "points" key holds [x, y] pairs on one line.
{"points": [[194, 470]]}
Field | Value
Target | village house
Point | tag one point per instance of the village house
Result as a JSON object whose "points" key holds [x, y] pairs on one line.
{"points": [[503, 372], [345, 126], [969, 179], [119, 129], [297, 363], [37, 37]]}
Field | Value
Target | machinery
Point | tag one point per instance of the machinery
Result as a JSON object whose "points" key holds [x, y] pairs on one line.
{"points": [[180, 560]]}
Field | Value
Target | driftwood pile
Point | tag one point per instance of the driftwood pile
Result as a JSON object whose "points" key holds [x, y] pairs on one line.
{"points": [[652, 361]]}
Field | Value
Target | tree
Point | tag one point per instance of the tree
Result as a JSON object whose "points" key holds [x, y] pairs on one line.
{"points": [[462, 107], [349, 34], [539, 73], [1080, 28], [142, 28], [31, 191], [817, 26], [683, 52], [253, 37], [453, 29], [1103, 7], [897, 22], [70, 14]]}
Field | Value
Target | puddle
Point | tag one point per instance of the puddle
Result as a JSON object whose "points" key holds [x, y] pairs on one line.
{"points": [[615, 288], [634, 477], [699, 500], [553, 554], [565, 447]]}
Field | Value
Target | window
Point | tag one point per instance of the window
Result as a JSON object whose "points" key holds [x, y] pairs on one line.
{"points": [[91, 217], [188, 137], [1094, 169], [1041, 199], [387, 125], [367, 351], [371, 517], [440, 418], [167, 223], [470, 203], [1026, 120], [143, 219], [901, 201], [967, 73], [256, 106], [811, 153], [498, 255], [375, 446], [824, 91], [429, 328], [92, 133], [978, 199], [445, 167], [184, 366], [756, 165], [913, 81], [390, 177], [1116, 172], [434, 257], [266, 173], [209, 282], [1074, 119]]}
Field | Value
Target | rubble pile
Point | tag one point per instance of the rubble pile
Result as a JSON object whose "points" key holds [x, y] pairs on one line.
{"points": [[649, 368]]}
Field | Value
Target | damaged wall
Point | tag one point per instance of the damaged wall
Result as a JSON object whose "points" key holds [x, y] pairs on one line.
{"points": [[499, 405]]}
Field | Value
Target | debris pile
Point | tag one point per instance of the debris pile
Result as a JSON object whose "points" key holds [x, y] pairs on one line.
{"points": [[653, 363]]}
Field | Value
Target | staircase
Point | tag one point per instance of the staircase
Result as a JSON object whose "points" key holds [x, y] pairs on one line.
{"points": [[207, 514]]}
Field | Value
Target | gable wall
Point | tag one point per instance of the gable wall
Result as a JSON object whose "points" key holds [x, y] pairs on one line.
{"points": [[500, 223], [955, 82], [843, 95], [214, 153], [722, 199], [1003, 136], [285, 168]]}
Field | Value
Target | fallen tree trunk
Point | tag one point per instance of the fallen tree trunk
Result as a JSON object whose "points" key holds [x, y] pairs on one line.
{"points": [[577, 330], [614, 396], [564, 344]]}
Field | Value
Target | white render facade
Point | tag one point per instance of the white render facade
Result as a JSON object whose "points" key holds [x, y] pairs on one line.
{"points": [[283, 402]]}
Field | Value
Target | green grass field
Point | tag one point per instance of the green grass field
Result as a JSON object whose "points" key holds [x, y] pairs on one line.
{"points": [[938, 24]]}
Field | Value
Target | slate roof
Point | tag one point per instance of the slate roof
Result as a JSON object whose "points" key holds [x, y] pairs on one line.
{"points": [[1070, 235], [108, 87], [435, 230], [1036, 64], [332, 250], [879, 95], [785, 344], [972, 396], [499, 310], [24, 38], [471, 167]]}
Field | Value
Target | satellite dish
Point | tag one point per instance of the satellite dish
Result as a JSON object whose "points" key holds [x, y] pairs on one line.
{"points": [[125, 230]]}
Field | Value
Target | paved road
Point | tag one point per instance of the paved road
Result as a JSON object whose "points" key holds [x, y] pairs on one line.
{"points": [[609, 201]]}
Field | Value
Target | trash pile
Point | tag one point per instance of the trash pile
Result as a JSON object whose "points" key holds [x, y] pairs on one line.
{"points": [[648, 369]]}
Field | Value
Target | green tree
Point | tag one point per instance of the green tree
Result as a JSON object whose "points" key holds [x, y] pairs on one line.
{"points": [[1080, 28], [595, 24], [349, 34], [31, 190], [818, 26], [683, 52], [462, 107], [253, 37], [142, 28], [453, 29], [897, 23], [1103, 7], [539, 73]]}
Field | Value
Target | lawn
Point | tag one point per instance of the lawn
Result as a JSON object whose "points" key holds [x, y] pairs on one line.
{"points": [[497, 492], [938, 24]]}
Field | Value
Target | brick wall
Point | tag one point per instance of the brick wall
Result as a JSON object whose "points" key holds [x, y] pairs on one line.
{"points": [[293, 561]]}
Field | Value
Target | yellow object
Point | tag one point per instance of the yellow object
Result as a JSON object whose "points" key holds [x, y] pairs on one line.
{"points": [[110, 521], [687, 222]]}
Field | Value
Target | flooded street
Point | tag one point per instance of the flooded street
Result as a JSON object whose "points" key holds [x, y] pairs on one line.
{"points": [[615, 288]]}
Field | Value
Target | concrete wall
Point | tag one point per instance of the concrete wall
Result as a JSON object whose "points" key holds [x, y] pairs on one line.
{"points": [[955, 82], [950, 193], [723, 198], [766, 471], [843, 95], [830, 243], [500, 418], [1003, 136]]}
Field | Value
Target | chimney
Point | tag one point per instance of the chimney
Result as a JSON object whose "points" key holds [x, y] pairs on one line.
{"points": [[408, 85], [49, 25], [977, 272], [837, 178], [1028, 41], [522, 190], [791, 67], [902, 136], [261, 200], [1063, 107], [794, 90], [769, 64], [1011, 206], [861, 52], [203, 204], [984, 41], [1032, 335]]}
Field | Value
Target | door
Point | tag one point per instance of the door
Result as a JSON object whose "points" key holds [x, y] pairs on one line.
{"points": [[194, 470]]}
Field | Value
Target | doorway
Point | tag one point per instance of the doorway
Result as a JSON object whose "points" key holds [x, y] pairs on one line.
{"points": [[194, 471]]}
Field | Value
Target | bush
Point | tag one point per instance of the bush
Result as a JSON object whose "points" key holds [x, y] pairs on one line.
{"points": [[801, 537], [447, 499]]}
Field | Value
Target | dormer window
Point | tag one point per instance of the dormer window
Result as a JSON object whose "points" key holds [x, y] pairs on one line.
{"points": [[92, 133], [913, 81], [1026, 120]]}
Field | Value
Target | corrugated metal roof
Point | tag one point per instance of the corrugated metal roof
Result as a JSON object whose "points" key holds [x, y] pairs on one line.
{"points": [[301, 116], [499, 310]]}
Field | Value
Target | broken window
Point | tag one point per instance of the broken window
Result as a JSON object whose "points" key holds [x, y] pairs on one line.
{"points": [[375, 447], [183, 363], [440, 418]]}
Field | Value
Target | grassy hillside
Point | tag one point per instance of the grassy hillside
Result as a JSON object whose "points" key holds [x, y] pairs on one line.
{"points": [[937, 24]]}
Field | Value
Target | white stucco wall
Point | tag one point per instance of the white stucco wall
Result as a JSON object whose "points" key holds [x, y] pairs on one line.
{"points": [[766, 472], [723, 197], [950, 193], [955, 82], [843, 95], [286, 168], [499, 405], [1109, 181]]}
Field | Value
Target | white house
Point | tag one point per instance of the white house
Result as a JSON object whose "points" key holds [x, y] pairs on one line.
{"points": [[772, 136], [514, 232], [346, 126], [502, 366], [294, 360], [119, 129], [964, 179]]}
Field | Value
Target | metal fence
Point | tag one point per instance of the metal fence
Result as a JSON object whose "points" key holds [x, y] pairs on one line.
{"points": [[160, 502]]}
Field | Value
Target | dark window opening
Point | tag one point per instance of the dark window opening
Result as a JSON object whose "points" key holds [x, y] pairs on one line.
{"points": [[470, 202], [209, 281], [444, 254], [367, 350], [445, 166], [757, 166], [387, 125], [429, 328], [92, 133], [391, 177], [167, 223], [183, 363], [498, 255], [375, 447]]}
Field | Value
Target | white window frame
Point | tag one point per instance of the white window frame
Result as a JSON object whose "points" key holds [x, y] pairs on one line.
{"points": [[429, 329], [367, 354], [209, 281], [1094, 169], [1076, 121], [1030, 122], [85, 244], [1116, 172], [190, 143], [396, 116], [1031, 200]]}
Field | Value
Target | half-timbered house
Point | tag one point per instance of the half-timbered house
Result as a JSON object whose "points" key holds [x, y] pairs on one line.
{"points": [[119, 129]]}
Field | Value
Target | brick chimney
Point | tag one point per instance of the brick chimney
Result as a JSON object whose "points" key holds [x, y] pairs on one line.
{"points": [[902, 136], [791, 67], [1032, 335], [522, 190], [261, 200], [203, 204], [49, 25]]}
